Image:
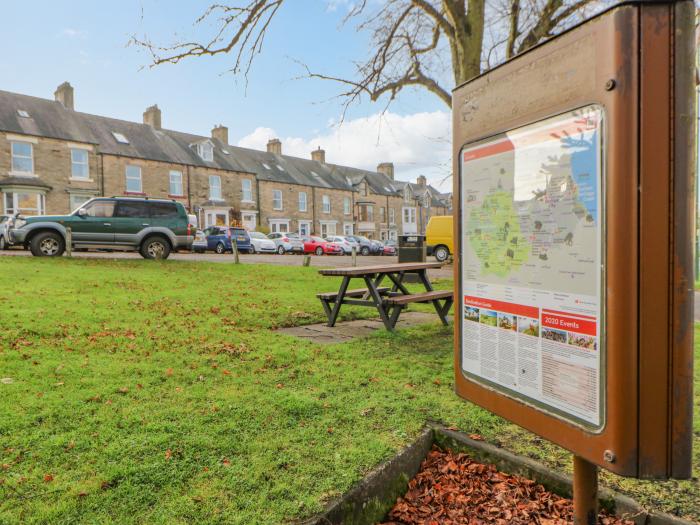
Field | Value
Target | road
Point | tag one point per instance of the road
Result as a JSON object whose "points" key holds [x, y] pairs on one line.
{"points": [[324, 261]]}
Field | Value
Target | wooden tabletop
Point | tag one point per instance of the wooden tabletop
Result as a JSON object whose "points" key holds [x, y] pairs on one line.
{"points": [[380, 268]]}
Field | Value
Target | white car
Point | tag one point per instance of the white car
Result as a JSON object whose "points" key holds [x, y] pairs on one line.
{"points": [[200, 242], [261, 244], [346, 243]]}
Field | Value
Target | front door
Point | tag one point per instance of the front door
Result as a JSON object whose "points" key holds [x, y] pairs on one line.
{"points": [[130, 218], [95, 224]]}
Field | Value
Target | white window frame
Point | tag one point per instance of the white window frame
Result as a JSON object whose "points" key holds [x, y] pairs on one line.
{"points": [[40, 202], [276, 225], [15, 155], [172, 184], [215, 193], [304, 228], [210, 216], [347, 206], [392, 216], [326, 204], [246, 190], [328, 228], [277, 202], [205, 150], [74, 164], [303, 201], [132, 177], [348, 228], [249, 219]]}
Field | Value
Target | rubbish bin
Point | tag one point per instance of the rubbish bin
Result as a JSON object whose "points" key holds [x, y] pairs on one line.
{"points": [[411, 249]]}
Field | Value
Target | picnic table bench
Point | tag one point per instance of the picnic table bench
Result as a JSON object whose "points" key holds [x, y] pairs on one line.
{"points": [[389, 301]]}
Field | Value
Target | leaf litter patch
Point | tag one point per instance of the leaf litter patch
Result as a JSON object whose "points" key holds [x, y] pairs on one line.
{"points": [[453, 489]]}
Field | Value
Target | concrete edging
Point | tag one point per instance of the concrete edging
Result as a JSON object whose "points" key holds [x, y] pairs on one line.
{"points": [[371, 499]]}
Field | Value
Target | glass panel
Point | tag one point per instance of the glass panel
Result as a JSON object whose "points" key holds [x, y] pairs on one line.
{"points": [[79, 164], [346, 205], [22, 157], [132, 209], [133, 179], [164, 209], [214, 187], [302, 201], [76, 201], [100, 209], [176, 183], [247, 190]]}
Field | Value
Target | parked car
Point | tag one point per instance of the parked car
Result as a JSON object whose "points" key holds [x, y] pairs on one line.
{"points": [[219, 239], [321, 246], [346, 243], [261, 244], [438, 237], [3, 222], [390, 248], [154, 227], [366, 246], [200, 242], [287, 242]]}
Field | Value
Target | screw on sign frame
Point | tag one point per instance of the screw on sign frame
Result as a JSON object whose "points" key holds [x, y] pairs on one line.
{"points": [[602, 362]]}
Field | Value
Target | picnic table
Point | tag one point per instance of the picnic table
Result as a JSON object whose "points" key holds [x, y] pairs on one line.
{"points": [[389, 301]]}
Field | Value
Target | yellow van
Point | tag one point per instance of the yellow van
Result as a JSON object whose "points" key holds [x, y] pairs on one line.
{"points": [[439, 238]]}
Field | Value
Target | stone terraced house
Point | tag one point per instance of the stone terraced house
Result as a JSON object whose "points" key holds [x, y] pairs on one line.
{"points": [[53, 158]]}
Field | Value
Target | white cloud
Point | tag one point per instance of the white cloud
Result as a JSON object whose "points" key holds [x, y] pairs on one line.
{"points": [[417, 144]]}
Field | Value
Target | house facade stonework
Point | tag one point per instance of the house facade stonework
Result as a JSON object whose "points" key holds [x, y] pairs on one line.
{"points": [[53, 159]]}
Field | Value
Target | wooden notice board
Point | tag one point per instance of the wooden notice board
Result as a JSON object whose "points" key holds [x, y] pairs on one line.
{"points": [[574, 178]]}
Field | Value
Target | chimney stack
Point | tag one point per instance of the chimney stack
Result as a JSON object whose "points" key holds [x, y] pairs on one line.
{"points": [[319, 155], [421, 180], [152, 117], [387, 168], [274, 146], [64, 95], [220, 133]]}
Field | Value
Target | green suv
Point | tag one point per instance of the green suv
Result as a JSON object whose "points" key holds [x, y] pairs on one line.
{"points": [[154, 227]]}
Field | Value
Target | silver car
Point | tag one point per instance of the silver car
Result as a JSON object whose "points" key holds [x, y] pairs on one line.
{"points": [[200, 242], [261, 244], [287, 242], [346, 243]]}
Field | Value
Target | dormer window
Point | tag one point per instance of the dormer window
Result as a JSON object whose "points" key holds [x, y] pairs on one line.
{"points": [[22, 113], [206, 151], [120, 138]]}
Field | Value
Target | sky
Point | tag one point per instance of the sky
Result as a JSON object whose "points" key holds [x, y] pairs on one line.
{"points": [[86, 43]]}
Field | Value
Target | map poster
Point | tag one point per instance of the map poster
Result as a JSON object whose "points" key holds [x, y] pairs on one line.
{"points": [[532, 264]]}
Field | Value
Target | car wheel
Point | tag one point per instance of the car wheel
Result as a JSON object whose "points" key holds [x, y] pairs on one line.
{"points": [[155, 247], [441, 253], [319, 251], [3, 243], [280, 250], [220, 248], [364, 251], [252, 249], [47, 244]]}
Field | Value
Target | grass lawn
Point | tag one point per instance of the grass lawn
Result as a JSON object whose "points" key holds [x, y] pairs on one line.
{"points": [[143, 392]]}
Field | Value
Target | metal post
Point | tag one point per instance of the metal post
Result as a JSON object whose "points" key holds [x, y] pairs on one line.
{"points": [[69, 242], [585, 492], [354, 255]]}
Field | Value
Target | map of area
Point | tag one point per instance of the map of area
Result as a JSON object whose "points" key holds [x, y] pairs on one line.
{"points": [[531, 206]]}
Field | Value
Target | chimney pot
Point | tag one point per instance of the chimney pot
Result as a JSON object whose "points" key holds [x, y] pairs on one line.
{"points": [[64, 95], [387, 168], [319, 155], [152, 117], [274, 146], [220, 133]]}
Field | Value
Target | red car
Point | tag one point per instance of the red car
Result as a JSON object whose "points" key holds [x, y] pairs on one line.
{"points": [[320, 246], [389, 249]]}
